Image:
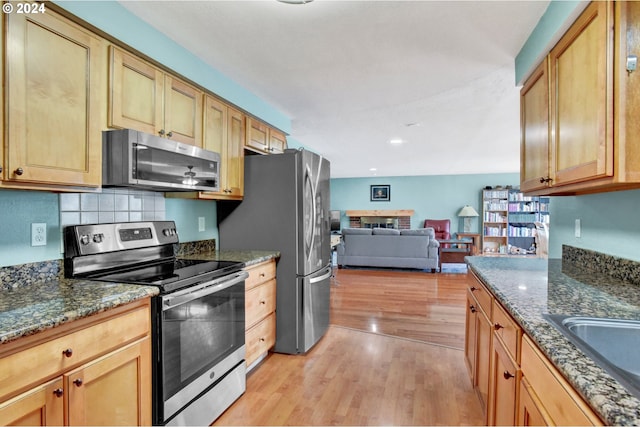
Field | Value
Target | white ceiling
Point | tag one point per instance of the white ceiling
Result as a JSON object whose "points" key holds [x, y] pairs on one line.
{"points": [[352, 75]]}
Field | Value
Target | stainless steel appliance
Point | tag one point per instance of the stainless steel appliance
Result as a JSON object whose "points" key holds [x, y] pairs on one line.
{"points": [[198, 320], [135, 159], [286, 208]]}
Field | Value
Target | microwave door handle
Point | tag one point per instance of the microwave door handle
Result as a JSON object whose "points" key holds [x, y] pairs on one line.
{"points": [[202, 290]]}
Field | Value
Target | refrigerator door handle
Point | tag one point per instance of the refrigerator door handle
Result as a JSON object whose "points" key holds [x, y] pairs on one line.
{"points": [[313, 212], [321, 278]]}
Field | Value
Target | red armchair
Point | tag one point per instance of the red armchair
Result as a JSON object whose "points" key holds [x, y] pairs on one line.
{"points": [[442, 228]]}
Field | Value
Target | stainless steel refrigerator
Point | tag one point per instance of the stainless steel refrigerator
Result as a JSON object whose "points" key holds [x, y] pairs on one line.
{"points": [[286, 208]]}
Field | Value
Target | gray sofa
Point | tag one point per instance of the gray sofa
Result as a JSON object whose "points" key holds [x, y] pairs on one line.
{"points": [[384, 247]]}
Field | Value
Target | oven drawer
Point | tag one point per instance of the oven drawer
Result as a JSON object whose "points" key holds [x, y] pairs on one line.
{"points": [[260, 338], [260, 273], [259, 302], [47, 359]]}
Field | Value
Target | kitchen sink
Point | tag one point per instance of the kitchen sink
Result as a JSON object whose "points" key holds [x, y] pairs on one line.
{"points": [[614, 344]]}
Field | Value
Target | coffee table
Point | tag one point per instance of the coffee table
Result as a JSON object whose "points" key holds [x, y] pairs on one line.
{"points": [[455, 251]]}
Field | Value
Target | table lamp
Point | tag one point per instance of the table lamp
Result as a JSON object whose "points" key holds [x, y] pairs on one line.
{"points": [[467, 212]]}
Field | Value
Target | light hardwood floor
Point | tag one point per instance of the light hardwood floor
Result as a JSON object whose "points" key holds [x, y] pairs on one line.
{"points": [[408, 369]]}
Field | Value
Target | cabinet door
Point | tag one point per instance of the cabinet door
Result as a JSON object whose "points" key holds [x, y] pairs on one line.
{"points": [[483, 357], [56, 81], [470, 337], [40, 406], [223, 132], [135, 93], [257, 135], [277, 142], [215, 126], [112, 390], [505, 375], [182, 111], [214, 138], [235, 154], [581, 107], [530, 410], [534, 128]]}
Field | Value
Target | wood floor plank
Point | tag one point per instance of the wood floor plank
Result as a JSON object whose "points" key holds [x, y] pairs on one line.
{"points": [[409, 372]]}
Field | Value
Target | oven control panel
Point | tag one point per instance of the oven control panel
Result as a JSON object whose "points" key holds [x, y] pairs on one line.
{"points": [[100, 238]]}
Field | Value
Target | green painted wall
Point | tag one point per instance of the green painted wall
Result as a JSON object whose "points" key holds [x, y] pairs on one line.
{"points": [[609, 223], [546, 33], [433, 196], [19, 209]]}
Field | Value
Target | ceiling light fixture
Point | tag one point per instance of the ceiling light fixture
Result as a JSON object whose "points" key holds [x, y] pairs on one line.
{"points": [[295, 1], [396, 141]]}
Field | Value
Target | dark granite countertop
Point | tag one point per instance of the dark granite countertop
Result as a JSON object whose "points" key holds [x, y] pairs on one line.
{"points": [[531, 287], [36, 296], [249, 258]]}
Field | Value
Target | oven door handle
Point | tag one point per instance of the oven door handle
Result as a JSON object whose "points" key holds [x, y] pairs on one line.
{"points": [[204, 289]]}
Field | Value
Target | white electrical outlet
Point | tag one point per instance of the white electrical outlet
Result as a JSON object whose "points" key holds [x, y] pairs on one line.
{"points": [[38, 234], [578, 228], [200, 223]]}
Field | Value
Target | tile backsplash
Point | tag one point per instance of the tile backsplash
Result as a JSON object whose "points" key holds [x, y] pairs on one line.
{"points": [[112, 205]]}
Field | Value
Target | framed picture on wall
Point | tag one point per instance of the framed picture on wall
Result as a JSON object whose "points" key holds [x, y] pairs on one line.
{"points": [[380, 193]]}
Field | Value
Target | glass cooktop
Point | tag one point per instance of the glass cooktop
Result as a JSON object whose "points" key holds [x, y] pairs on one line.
{"points": [[173, 274]]}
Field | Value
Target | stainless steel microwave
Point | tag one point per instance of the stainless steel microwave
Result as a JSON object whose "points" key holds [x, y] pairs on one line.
{"points": [[136, 159]]}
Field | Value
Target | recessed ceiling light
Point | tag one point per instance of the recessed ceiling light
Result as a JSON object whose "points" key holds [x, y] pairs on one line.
{"points": [[373, 169], [295, 1], [396, 141]]}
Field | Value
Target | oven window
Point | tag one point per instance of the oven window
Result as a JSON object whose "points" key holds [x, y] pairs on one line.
{"points": [[198, 334]]}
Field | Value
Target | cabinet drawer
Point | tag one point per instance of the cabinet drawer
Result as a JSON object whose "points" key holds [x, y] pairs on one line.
{"points": [[43, 361], [561, 402], [259, 302], [260, 338], [260, 273], [508, 331], [481, 294]]}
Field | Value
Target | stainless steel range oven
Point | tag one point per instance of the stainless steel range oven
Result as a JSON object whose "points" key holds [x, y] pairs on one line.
{"points": [[198, 318]]}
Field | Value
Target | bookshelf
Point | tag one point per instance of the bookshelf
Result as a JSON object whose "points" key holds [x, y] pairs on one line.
{"points": [[509, 219], [524, 212], [495, 212]]}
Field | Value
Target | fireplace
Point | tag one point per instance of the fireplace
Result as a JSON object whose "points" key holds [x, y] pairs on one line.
{"points": [[378, 222], [399, 218]]}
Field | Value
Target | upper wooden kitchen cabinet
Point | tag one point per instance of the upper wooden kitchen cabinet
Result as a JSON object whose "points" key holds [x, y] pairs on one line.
{"points": [[224, 133], [593, 143], [534, 128], [145, 98], [264, 139], [55, 85]]}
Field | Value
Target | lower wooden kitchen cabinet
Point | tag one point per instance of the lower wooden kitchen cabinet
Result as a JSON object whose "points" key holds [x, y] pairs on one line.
{"points": [[516, 383], [549, 399], [478, 339], [260, 307], [505, 368], [94, 371]]}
